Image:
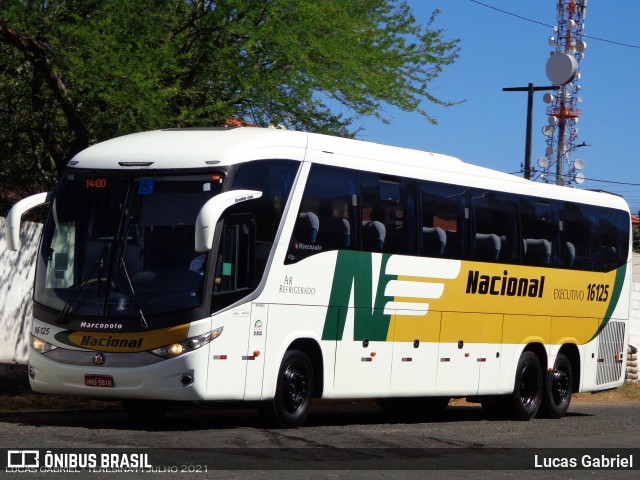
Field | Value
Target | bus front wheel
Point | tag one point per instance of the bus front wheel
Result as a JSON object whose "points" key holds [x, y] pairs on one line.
{"points": [[528, 387], [557, 391], [294, 390]]}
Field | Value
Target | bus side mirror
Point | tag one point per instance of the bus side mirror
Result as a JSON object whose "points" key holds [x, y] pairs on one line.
{"points": [[15, 216], [211, 212]]}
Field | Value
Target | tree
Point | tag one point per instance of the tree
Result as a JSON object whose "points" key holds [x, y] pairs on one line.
{"points": [[74, 72]]}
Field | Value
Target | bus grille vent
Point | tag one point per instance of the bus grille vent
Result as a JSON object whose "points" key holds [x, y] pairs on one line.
{"points": [[610, 353]]}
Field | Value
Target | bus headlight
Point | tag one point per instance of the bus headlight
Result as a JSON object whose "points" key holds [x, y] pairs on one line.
{"points": [[189, 345], [40, 345]]}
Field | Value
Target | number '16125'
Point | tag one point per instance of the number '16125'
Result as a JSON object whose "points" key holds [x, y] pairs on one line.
{"points": [[597, 292]]}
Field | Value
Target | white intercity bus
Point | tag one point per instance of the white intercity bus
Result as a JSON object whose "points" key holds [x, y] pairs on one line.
{"points": [[274, 266]]}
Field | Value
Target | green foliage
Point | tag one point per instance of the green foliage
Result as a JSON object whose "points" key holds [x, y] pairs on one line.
{"points": [[74, 72], [636, 240]]}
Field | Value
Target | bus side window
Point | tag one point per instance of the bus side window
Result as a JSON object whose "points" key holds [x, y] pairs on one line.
{"points": [[327, 214], [495, 227], [274, 179], [581, 231], [388, 214], [541, 229], [614, 226], [443, 221]]}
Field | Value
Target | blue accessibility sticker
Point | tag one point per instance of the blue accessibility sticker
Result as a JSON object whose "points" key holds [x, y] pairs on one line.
{"points": [[145, 187]]}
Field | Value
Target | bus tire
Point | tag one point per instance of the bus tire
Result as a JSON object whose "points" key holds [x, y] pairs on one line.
{"points": [[557, 389], [528, 387], [291, 404], [146, 411]]}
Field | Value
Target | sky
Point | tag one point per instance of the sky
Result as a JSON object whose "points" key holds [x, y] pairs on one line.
{"points": [[500, 50]]}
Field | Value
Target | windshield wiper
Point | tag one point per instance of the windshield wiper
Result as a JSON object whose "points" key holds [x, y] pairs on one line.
{"points": [[68, 306], [132, 292]]}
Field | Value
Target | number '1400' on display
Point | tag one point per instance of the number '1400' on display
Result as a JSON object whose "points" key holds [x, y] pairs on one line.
{"points": [[96, 183]]}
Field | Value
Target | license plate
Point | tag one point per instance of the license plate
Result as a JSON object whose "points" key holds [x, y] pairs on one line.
{"points": [[98, 380]]}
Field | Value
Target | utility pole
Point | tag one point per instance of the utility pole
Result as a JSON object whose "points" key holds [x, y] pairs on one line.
{"points": [[527, 149]]}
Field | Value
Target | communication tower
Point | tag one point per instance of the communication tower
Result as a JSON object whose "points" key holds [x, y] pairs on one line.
{"points": [[562, 69]]}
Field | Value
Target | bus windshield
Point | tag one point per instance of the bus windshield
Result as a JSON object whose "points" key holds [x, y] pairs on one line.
{"points": [[118, 245]]}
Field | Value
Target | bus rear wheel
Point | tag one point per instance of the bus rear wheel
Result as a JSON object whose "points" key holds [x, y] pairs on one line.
{"points": [[558, 387], [291, 404], [528, 387]]}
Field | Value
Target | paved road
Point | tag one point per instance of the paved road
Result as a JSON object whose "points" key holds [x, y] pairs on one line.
{"points": [[339, 435]]}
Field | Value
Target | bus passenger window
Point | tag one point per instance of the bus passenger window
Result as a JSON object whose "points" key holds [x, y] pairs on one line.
{"points": [[388, 214], [274, 179], [327, 214], [443, 221], [580, 230], [614, 226], [495, 222], [541, 230]]}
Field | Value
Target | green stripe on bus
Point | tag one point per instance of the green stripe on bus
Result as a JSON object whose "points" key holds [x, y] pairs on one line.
{"points": [[353, 271], [615, 296]]}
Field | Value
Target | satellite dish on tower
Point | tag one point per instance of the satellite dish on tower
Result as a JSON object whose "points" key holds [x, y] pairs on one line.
{"points": [[579, 178], [581, 45], [578, 164], [543, 162], [561, 68], [547, 130]]}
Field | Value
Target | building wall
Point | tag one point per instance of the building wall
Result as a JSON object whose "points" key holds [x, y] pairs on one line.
{"points": [[634, 313], [16, 281]]}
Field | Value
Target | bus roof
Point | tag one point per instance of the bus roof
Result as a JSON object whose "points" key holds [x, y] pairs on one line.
{"points": [[196, 148], [191, 148]]}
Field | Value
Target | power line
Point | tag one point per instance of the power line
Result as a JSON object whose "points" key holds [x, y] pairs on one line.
{"points": [[512, 14], [613, 42], [613, 181], [631, 184]]}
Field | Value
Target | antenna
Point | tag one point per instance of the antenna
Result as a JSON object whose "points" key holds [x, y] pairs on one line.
{"points": [[543, 162], [562, 70]]}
